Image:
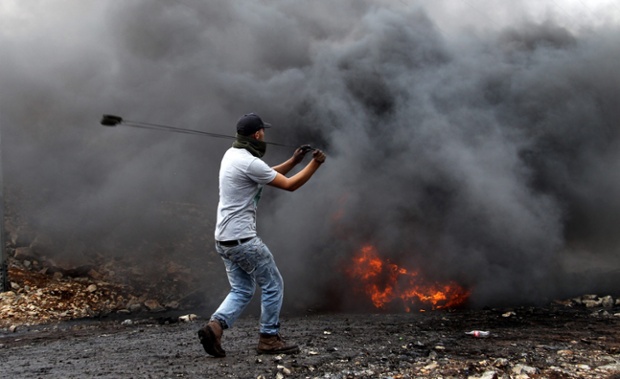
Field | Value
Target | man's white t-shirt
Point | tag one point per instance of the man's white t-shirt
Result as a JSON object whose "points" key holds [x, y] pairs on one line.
{"points": [[241, 180]]}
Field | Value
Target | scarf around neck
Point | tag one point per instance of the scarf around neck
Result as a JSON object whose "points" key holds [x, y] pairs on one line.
{"points": [[255, 147]]}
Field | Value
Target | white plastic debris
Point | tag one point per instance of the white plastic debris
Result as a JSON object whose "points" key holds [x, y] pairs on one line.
{"points": [[188, 318], [479, 333]]}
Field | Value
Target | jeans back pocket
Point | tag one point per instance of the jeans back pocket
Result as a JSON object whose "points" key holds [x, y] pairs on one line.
{"points": [[245, 257]]}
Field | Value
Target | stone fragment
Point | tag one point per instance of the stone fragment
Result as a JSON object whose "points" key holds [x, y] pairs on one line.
{"points": [[153, 306], [607, 301], [23, 253], [430, 367], [524, 369], [135, 307], [95, 274], [610, 367], [490, 374], [8, 295], [284, 369], [592, 303]]}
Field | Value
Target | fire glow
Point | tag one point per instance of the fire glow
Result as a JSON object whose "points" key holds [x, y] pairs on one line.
{"points": [[385, 282]]}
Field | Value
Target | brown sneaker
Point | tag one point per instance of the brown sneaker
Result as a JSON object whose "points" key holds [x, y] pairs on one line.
{"points": [[210, 338], [274, 344]]}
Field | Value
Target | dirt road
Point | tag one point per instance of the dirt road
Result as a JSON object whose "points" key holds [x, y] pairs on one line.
{"points": [[548, 342]]}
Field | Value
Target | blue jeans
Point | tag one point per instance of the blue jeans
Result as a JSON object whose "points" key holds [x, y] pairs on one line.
{"points": [[247, 265]]}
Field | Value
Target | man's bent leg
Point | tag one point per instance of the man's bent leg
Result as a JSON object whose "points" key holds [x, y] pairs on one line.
{"points": [[242, 289], [272, 286]]}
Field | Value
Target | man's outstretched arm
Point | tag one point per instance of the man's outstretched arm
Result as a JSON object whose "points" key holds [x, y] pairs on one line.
{"points": [[299, 179], [299, 154]]}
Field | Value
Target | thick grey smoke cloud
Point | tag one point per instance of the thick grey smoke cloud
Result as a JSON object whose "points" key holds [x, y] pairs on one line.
{"points": [[489, 158]]}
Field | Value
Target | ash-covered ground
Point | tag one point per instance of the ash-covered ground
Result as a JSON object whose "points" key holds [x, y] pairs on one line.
{"points": [[557, 341]]}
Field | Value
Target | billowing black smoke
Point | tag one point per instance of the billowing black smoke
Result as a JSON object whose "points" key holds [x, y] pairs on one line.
{"points": [[488, 159]]}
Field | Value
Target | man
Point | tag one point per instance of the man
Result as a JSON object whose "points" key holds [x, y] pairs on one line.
{"points": [[247, 259]]}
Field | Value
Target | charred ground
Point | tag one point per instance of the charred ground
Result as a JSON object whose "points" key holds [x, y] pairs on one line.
{"points": [[557, 341], [69, 324]]}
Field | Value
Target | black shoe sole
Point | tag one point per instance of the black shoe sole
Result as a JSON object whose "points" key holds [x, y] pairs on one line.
{"points": [[208, 341]]}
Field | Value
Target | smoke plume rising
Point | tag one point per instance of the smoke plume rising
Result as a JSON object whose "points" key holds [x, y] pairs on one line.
{"points": [[476, 142]]}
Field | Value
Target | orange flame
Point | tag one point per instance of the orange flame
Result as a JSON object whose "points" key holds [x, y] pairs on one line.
{"points": [[385, 282]]}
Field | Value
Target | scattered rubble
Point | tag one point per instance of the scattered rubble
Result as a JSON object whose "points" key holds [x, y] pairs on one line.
{"points": [[41, 292], [56, 279], [38, 298]]}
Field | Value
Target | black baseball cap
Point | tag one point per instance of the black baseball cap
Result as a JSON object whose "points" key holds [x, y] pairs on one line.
{"points": [[250, 123]]}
